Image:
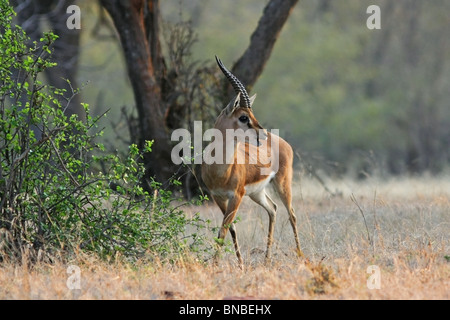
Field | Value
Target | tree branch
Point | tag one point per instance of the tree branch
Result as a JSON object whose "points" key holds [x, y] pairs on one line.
{"points": [[251, 64]]}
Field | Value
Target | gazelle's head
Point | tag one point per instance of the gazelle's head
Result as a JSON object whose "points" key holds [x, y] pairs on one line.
{"points": [[238, 114]]}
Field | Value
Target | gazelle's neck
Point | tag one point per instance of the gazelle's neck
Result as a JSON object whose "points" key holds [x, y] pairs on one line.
{"points": [[221, 153]]}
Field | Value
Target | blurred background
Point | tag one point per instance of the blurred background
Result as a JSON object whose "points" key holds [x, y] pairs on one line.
{"points": [[351, 101]]}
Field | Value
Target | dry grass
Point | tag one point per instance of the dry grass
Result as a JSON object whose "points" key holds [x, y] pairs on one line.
{"points": [[401, 226]]}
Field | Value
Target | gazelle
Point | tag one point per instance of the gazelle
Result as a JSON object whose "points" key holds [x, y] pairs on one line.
{"points": [[229, 180]]}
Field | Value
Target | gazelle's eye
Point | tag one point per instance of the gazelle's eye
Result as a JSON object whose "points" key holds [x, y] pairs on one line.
{"points": [[243, 119]]}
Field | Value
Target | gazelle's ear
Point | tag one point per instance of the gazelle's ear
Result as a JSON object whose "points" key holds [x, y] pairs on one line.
{"points": [[234, 103], [252, 98]]}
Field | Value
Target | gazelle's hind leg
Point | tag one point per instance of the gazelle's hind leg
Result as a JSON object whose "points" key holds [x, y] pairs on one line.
{"points": [[283, 188], [264, 200]]}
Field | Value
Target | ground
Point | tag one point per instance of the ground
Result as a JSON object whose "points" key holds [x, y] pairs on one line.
{"points": [[374, 239]]}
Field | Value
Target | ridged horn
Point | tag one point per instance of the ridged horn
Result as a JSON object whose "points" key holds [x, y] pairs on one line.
{"points": [[237, 85]]}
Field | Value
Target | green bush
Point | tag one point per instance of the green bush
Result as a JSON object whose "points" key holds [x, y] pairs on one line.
{"points": [[54, 199]]}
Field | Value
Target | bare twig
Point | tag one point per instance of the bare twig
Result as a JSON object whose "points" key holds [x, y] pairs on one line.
{"points": [[353, 198], [312, 171], [63, 165]]}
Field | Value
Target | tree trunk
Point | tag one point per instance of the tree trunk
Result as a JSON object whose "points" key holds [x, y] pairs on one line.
{"points": [[132, 20]]}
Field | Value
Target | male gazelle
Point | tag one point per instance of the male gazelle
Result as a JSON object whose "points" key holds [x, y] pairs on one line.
{"points": [[268, 159]]}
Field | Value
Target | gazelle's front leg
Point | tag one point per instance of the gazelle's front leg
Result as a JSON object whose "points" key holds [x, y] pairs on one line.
{"points": [[236, 244], [229, 212]]}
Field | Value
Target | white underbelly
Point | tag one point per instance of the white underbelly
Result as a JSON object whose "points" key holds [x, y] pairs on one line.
{"points": [[222, 193], [258, 186]]}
